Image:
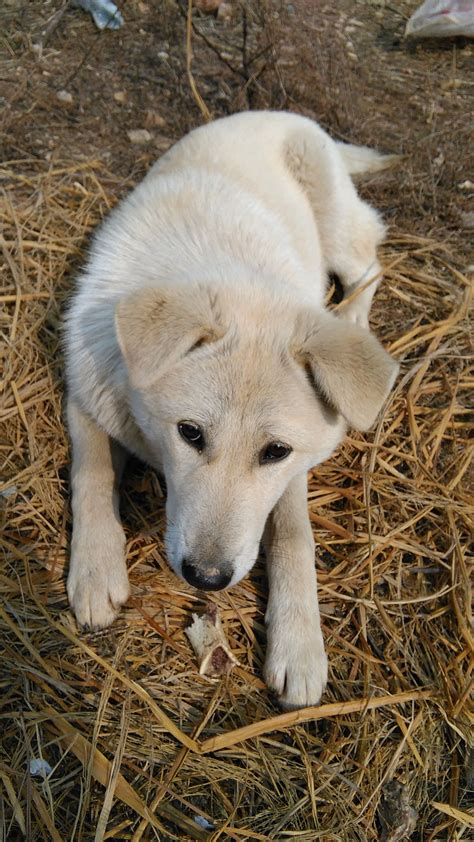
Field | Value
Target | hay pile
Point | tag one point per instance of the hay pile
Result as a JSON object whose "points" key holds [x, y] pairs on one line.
{"points": [[139, 744]]}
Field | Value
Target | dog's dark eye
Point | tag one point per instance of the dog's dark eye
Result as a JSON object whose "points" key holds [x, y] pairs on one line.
{"points": [[274, 452], [191, 434]]}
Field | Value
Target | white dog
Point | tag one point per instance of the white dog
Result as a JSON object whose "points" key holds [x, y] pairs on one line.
{"points": [[198, 340]]}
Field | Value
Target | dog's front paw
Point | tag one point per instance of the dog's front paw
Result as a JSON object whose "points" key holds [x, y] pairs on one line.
{"points": [[296, 664], [98, 584]]}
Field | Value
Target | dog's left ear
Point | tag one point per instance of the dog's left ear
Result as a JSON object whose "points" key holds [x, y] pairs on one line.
{"points": [[348, 365]]}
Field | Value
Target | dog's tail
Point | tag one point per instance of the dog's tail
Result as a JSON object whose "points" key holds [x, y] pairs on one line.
{"points": [[361, 159]]}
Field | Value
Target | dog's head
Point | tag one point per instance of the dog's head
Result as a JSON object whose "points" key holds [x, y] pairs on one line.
{"points": [[236, 397]]}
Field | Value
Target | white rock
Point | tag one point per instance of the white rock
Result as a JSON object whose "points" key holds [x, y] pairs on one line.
{"points": [[64, 96], [139, 136]]}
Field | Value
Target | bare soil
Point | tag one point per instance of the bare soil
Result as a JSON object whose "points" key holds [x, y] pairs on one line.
{"points": [[346, 64]]}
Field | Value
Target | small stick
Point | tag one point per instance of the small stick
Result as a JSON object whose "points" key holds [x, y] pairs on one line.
{"points": [[295, 717], [189, 58]]}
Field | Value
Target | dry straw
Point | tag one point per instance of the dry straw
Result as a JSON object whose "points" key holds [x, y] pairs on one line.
{"points": [[139, 744]]}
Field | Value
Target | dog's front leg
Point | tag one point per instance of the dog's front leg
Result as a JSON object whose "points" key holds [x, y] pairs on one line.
{"points": [[98, 581], [296, 663]]}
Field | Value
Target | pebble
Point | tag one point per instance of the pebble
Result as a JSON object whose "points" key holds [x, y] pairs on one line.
{"points": [[225, 12], [467, 219], [64, 96], [154, 120], [139, 136]]}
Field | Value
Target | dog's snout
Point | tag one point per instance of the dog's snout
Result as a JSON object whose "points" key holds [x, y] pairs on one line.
{"points": [[206, 579]]}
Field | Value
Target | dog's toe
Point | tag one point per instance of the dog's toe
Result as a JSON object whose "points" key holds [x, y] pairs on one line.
{"points": [[304, 690], [97, 607]]}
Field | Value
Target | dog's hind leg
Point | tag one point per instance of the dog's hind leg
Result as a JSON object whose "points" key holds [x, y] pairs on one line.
{"points": [[98, 581], [296, 663], [359, 287], [354, 261], [349, 229]]}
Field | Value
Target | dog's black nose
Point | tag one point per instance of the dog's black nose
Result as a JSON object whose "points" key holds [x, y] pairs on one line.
{"points": [[205, 580]]}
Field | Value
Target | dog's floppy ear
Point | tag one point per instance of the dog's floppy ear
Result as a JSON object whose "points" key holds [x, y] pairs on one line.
{"points": [[157, 326], [348, 365]]}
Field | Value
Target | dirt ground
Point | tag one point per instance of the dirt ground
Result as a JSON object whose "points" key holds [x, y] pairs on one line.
{"points": [[396, 618], [345, 63]]}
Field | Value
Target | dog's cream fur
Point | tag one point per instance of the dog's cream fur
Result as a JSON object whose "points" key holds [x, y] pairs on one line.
{"points": [[203, 300]]}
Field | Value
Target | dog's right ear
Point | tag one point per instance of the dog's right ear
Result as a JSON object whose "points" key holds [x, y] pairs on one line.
{"points": [[156, 327]]}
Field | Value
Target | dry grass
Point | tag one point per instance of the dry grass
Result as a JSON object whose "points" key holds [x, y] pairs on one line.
{"points": [[139, 743]]}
